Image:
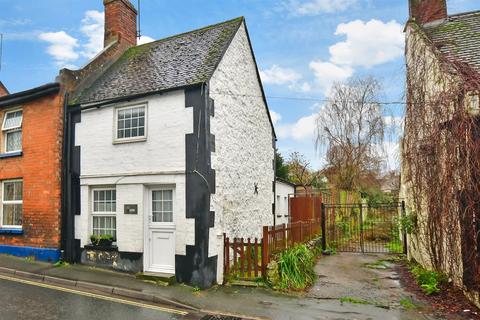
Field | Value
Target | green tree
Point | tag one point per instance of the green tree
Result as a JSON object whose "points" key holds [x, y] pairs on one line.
{"points": [[281, 169]]}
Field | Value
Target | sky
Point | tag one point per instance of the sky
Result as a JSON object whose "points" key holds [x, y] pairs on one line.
{"points": [[301, 47]]}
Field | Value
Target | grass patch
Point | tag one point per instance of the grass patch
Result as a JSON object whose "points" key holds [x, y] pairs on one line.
{"points": [[380, 264], [407, 304], [429, 281], [353, 300], [394, 247], [296, 268], [61, 264]]}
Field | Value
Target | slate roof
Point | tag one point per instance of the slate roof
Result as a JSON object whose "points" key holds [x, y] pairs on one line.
{"points": [[458, 37], [177, 61]]}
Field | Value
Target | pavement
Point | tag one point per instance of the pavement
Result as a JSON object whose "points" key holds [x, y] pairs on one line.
{"points": [[333, 297]]}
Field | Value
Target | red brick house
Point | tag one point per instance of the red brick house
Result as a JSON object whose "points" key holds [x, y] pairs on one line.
{"points": [[30, 172], [3, 90]]}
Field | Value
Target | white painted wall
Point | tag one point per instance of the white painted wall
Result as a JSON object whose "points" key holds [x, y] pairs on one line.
{"points": [[244, 151], [282, 212], [132, 168]]}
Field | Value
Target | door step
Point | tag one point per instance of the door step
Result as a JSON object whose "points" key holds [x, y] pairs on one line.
{"points": [[165, 279]]}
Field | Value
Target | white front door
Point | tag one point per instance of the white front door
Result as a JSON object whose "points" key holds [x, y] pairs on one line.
{"points": [[160, 235]]}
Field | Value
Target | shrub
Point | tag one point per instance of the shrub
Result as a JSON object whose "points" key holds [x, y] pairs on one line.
{"points": [[296, 268], [429, 281]]}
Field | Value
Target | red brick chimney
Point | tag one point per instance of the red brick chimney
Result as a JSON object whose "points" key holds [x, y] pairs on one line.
{"points": [[425, 11], [120, 22], [3, 90]]}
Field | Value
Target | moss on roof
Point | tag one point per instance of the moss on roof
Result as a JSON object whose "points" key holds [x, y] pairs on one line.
{"points": [[180, 60]]}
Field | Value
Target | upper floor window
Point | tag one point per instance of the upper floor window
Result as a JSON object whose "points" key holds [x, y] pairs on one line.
{"points": [[12, 203], [12, 130], [131, 123]]}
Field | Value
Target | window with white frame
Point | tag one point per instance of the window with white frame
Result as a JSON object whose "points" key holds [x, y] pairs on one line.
{"points": [[12, 130], [162, 206], [12, 203], [130, 123], [104, 212]]}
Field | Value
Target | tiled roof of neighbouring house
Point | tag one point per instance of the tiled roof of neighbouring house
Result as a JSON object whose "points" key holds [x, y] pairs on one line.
{"points": [[177, 61], [458, 37]]}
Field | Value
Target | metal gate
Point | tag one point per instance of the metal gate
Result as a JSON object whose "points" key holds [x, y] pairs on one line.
{"points": [[364, 228]]}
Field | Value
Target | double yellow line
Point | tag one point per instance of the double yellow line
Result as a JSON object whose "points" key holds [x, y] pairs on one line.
{"points": [[96, 296]]}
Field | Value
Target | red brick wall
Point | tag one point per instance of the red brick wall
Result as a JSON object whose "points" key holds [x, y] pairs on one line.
{"points": [[425, 11], [3, 90], [40, 169], [120, 20]]}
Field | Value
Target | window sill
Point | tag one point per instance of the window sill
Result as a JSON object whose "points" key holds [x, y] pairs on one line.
{"points": [[11, 231], [132, 140], [11, 154]]}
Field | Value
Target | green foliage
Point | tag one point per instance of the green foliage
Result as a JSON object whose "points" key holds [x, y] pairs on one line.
{"points": [[377, 196], [407, 304], [407, 223], [281, 169], [429, 281], [296, 268], [353, 300], [61, 263], [196, 289], [394, 246], [95, 238]]}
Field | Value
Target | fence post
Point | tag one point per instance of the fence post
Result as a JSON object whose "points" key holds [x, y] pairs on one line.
{"points": [[404, 232], [324, 228], [226, 255], [361, 228], [284, 234], [265, 250]]}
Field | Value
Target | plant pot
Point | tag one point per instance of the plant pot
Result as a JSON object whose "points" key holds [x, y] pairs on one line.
{"points": [[105, 243]]}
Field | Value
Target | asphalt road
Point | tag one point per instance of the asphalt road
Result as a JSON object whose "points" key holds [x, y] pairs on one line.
{"points": [[25, 300]]}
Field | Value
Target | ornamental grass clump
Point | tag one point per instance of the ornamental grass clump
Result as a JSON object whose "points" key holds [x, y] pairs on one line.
{"points": [[296, 268]]}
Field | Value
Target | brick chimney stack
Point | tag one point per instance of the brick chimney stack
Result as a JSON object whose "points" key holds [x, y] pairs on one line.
{"points": [[425, 11], [120, 22], [3, 90]]}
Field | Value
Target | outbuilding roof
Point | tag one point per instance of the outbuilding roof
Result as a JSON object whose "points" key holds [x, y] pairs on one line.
{"points": [[178, 61], [458, 37]]}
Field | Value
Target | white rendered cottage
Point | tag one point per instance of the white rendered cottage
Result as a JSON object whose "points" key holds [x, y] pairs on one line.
{"points": [[171, 146]]}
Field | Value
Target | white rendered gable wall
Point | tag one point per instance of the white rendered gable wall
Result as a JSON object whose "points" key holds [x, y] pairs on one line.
{"points": [[244, 150]]}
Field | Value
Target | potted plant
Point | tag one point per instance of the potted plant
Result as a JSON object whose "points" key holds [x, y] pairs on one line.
{"points": [[104, 240]]}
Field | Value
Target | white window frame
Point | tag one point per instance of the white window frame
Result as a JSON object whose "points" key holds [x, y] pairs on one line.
{"points": [[103, 213], [116, 110], [163, 188], [11, 130], [6, 226]]}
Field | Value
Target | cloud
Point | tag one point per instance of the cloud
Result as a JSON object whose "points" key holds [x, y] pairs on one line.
{"points": [[93, 28], [62, 46], [315, 7], [276, 117], [368, 43], [277, 75], [145, 39], [326, 73], [301, 130]]}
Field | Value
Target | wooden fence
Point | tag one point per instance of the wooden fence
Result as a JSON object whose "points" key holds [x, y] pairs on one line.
{"points": [[248, 259]]}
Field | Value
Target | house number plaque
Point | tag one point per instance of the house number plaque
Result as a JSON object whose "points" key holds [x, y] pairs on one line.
{"points": [[131, 209]]}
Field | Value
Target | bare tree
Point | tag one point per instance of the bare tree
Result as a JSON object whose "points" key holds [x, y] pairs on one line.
{"points": [[350, 130], [300, 172]]}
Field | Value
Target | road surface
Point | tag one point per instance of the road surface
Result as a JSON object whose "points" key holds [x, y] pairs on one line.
{"points": [[22, 299]]}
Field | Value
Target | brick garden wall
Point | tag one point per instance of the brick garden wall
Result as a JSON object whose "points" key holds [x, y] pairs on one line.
{"points": [[40, 169]]}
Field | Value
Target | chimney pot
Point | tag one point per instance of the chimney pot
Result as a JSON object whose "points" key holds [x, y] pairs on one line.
{"points": [[120, 22], [425, 11]]}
